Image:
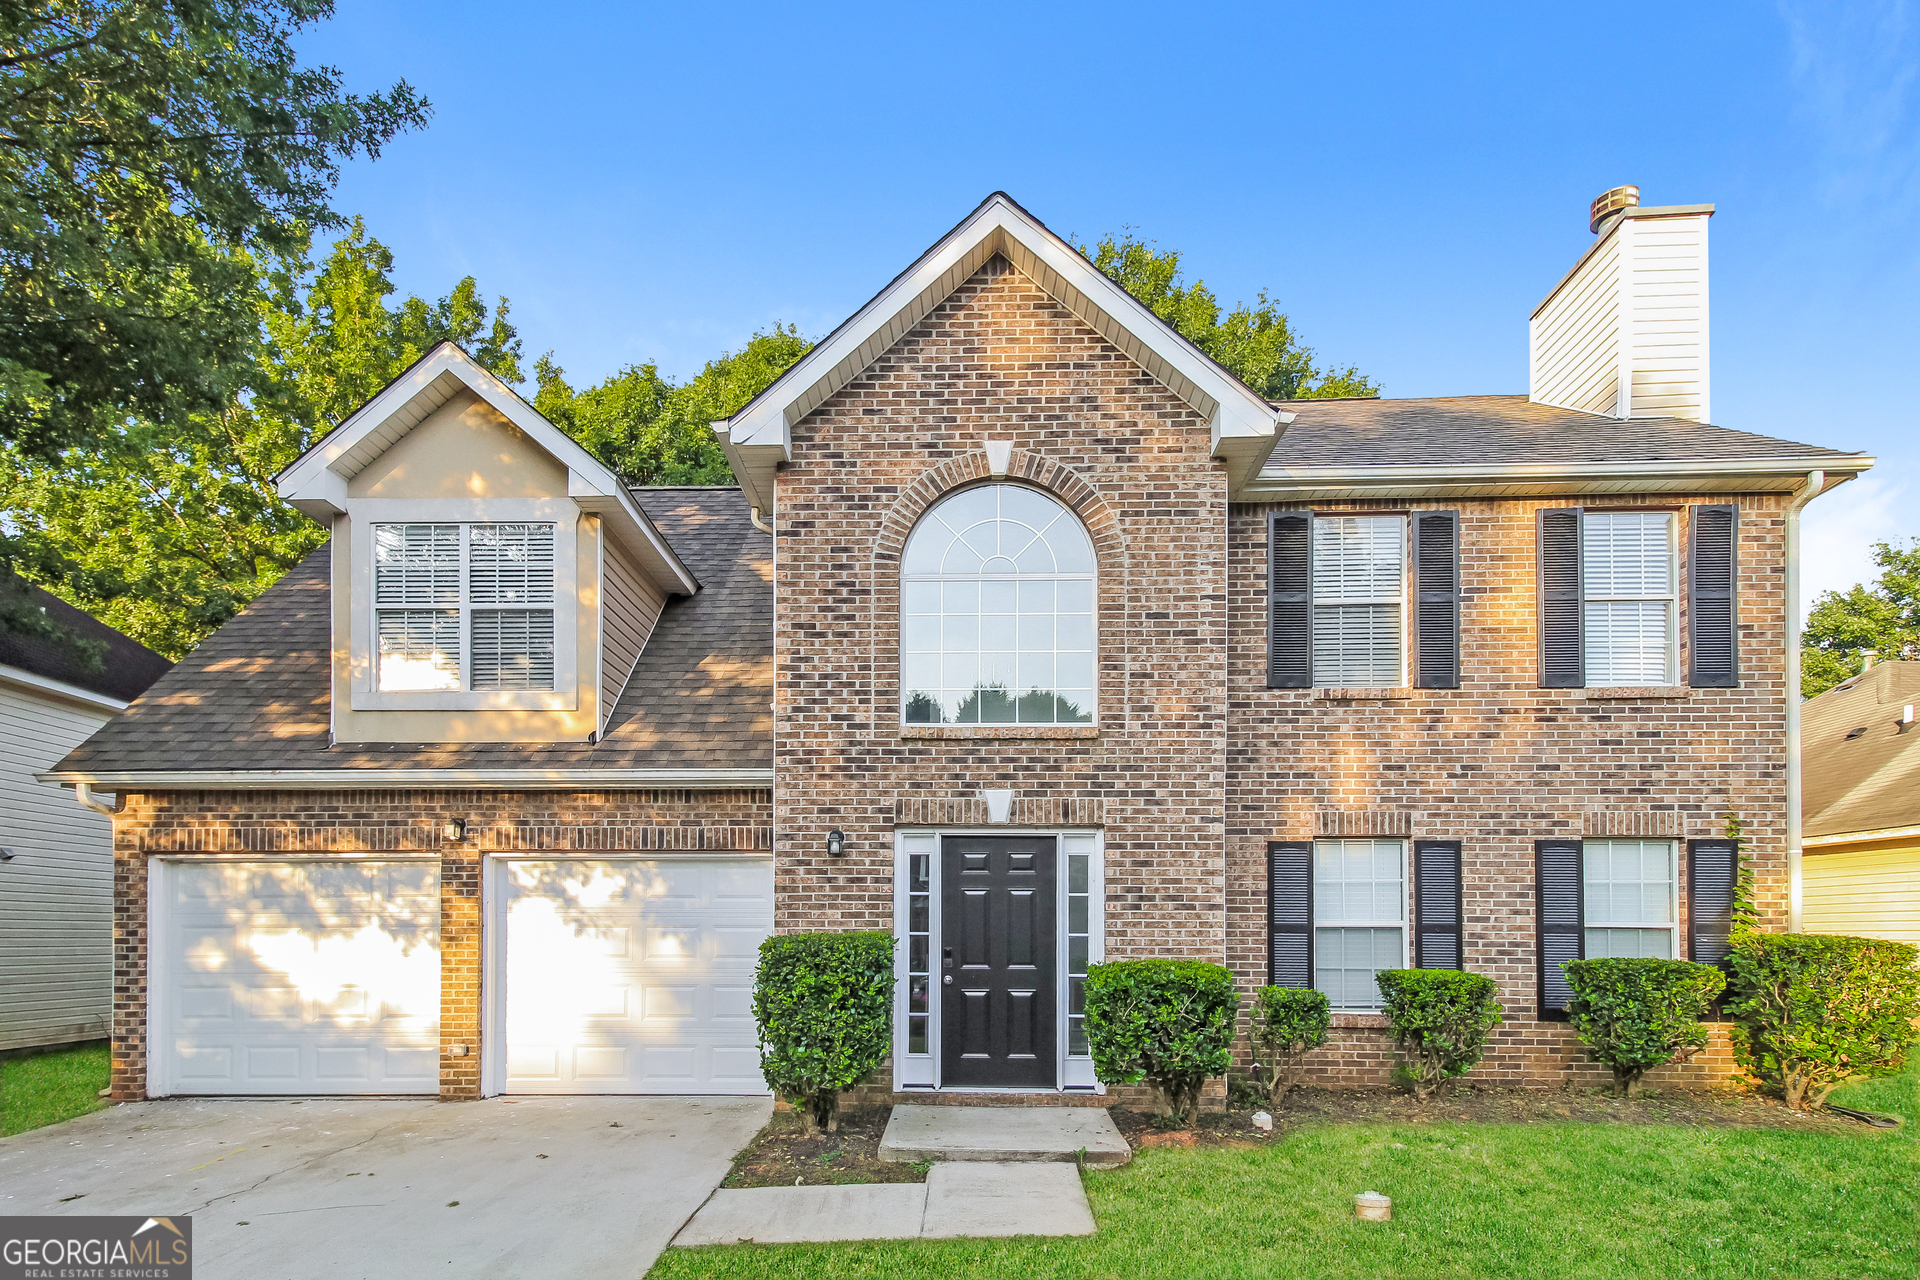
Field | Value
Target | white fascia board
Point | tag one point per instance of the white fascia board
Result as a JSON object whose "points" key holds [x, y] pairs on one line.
{"points": [[412, 779], [59, 689], [1279, 481], [1862, 837]]}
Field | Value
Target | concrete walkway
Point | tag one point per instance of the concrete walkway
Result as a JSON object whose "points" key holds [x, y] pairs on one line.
{"points": [[970, 1199], [916, 1133]]}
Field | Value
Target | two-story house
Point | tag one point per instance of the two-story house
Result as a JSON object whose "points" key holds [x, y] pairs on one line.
{"points": [[1029, 634]]}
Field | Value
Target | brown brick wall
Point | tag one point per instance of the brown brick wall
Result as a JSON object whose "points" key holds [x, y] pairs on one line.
{"points": [[350, 823]]}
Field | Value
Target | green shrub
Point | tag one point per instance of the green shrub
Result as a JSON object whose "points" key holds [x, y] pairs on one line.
{"points": [[1440, 1019], [1168, 1022], [824, 1005], [1287, 1023], [1812, 1011], [1633, 1014]]}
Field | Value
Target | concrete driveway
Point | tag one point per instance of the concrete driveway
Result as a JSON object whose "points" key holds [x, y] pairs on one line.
{"points": [[578, 1187]]}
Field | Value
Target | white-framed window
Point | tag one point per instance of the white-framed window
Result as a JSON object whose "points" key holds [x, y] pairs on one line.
{"points": [[463, 606], [1359, 601], [1627, 564], [1630, 898], [996, 612], [1359, 918]]}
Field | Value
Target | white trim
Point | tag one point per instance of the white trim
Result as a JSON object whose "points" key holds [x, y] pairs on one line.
{"points": [[1672, 928], [493, 975], [159, 973], [58, 689], [1861, 837], [1287, 482], [416, 779]]}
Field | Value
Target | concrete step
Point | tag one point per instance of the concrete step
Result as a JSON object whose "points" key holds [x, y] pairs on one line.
{"points": [[1003, 1134]]}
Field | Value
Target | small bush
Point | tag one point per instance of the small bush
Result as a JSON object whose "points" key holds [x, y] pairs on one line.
{"points": [[1167, 1022], [1640, 1013], [1440, 1019], [1812, 1011], [1287, 1023], [824, 1005]]}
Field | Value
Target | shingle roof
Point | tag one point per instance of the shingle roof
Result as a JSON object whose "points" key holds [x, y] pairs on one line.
{"points": [[255, 695], [1470, 430], [126, 669], [1870, 782]]}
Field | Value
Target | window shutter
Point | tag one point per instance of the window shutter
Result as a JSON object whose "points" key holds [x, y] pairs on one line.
{"points": [[1558, 908], [1713, 867], [1436, 904], [1289, 580], [1563, 657], [1712, 535], [1290, 914], [1436, 628]]}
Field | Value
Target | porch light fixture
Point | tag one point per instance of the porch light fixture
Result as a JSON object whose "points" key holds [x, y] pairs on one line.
{"points": [[455, 829], [836, 843]]}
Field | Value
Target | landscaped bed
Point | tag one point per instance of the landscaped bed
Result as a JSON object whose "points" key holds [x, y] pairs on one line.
{"points": [[782, 1155], [45, 1088], [1487, 1182]]}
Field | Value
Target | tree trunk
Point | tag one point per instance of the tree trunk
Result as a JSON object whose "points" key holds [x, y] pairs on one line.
{"points": [[1627, 1080]]}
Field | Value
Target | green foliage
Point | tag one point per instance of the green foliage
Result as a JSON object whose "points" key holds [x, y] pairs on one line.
{"points": [[1255, 343], [1635, 1014], [1167, 1022], [1884, 617], [1812, 1011], [824, 1005], [1743, 917], [1286, 1024], [1440, 1019], [653, 432]]}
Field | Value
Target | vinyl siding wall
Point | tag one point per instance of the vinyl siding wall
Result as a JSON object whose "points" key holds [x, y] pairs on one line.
{"points": [[1869, 893], [629, 611], [1667, 317], [1575, 338]]}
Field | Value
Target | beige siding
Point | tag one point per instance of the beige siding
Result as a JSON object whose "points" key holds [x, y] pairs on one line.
{"points": [[1575, 337], [629, 608], [1667, 320], [1873, 893], [56, 895]]}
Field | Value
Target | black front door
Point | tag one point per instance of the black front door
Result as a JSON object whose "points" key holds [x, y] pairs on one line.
{"points": [[997, 961]]}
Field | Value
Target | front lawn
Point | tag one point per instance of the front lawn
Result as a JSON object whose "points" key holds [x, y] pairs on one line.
{"points": [[1468, 1200], [47, 1088]]}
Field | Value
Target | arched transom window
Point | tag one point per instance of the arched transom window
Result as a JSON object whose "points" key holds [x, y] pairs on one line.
{"points": [[996, 610]]}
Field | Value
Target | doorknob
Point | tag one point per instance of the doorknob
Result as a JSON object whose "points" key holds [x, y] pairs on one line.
{"points": [[948, 980]]}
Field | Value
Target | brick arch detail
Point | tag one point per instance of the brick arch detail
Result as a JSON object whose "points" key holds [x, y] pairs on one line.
{"points": [[1062, 482]]}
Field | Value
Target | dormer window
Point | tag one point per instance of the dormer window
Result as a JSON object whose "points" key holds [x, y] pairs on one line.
{"points": [[464, 606]]}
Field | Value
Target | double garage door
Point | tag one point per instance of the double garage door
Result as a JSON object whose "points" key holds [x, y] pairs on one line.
{"points": [[611, 976]]}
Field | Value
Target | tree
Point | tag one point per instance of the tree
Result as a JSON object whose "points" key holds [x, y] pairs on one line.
{"points": [[1884, 617], [1255, 343]]}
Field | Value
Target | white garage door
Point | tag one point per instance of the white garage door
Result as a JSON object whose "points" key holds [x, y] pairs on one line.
{"points": [[297, 977], [632, 976]]}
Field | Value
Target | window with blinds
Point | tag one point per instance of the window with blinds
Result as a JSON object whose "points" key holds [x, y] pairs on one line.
{"points": [[1359, 917], [1359, 600], [1628, 892], [1628, 574], [463, 606]]}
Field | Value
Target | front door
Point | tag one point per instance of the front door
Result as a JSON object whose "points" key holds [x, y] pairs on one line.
{"points": [[997, 962]]}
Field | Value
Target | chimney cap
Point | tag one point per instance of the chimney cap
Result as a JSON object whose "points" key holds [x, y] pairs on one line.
{"points": [[1608, 205]]}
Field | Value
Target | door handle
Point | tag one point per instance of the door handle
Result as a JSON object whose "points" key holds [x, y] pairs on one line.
{"points": [[948, 980]]}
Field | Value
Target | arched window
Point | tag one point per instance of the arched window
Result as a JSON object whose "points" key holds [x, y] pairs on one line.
{"points": [[996, 604]]}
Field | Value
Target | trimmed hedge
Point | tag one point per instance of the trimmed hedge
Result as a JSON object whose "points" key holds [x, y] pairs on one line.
{"points": [[1167, 1022], [1286, 1024], [824, 1005], [1633, 1014], [1812, 1010], [1440, 1019]]}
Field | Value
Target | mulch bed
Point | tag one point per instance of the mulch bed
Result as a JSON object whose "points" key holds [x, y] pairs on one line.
{"points": [[782, 1156]]}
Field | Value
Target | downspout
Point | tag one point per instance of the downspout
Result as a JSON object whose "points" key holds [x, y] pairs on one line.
{"points": [[753, 514], [84, 794], [1816, 481]]}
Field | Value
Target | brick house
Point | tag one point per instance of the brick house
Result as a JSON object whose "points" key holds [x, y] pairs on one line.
{"points": [[1030, 635]]}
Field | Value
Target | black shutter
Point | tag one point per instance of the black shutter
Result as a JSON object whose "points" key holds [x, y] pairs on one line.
{"points": [[1563, 659], [1559, 907], [1436, 905], [1289, 601], [1290, 914], [1436, 627], [1712, 868], [1713, 533]]}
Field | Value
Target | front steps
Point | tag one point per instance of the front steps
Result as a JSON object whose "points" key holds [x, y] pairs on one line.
{"points": [[1003, 1135]]}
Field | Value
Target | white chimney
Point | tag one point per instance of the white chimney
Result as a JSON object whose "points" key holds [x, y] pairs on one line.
{"points": [[1625, 332]]}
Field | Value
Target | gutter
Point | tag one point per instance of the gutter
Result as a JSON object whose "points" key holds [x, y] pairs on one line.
{"points": [[1278, 481], [411, 779], [1861, 837], [1816, 483]]}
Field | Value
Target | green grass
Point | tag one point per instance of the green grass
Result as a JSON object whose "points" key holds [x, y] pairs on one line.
{"points": [[47, 1088], [1469, 1200]]}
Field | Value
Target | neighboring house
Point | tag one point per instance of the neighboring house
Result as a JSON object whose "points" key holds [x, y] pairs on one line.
{"points": [[1863, 805], [1030, 635], [56, 858]]}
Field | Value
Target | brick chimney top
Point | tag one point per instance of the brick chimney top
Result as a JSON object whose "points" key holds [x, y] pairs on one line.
{"points": [[1608, 205]]}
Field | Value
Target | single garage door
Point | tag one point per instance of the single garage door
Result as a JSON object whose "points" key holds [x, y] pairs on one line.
{"points": [[297, 977], [630, 976]]}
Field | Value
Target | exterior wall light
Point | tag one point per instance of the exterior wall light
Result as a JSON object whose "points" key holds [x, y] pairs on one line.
{"points": [[455, 829], [836, 843]]}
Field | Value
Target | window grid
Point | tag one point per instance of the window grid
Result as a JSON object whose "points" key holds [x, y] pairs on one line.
{"points": [[466, 640], [1359, 601], [1079, 912], [1628, 611], [1359, 917], [919, 950], [1631, 898]]}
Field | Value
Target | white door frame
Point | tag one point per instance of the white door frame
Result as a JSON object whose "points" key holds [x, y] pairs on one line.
{"points": [[921, 1072]]}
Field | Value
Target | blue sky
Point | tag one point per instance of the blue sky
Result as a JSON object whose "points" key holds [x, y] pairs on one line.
{"points": [[658, 182]]}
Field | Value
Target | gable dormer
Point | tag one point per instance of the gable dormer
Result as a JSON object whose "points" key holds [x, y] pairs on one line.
{"points": [[492, 582]]}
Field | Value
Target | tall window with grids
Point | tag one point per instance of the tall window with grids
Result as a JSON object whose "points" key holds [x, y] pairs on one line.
{"points": [[1359, 917], [1627, 562], [463, 606], [1359, 600], [1629, 891]]}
